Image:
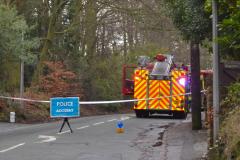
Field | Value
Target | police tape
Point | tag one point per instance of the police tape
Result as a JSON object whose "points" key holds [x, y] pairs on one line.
{"points": [[99, 102], [23, 99]]}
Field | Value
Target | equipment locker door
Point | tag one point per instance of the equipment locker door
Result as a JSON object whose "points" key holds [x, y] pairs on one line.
{"points": [[159, 89], [164, 89]]}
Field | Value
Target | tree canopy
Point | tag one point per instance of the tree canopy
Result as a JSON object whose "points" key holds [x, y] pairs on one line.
{"points": [[14, 35], [16, 44], [190, 18]]}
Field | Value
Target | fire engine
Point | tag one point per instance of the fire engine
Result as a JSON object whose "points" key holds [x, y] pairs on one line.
{"points": [[159, 86]]}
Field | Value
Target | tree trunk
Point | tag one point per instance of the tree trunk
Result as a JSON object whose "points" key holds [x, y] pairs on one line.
{"points": [[44, 55], [91, 28], [195, 86], [90, 38], [130, 34], [124, 39], [103, 40]]}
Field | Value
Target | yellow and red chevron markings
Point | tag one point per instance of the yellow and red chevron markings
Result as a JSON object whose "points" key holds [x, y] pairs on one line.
{"points": [[164, 102], [159, 89], [153, 93], [178, 89], [140, 88]]}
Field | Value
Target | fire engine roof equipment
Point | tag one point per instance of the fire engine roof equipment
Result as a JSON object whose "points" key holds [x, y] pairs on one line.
{"points": [[161, 69], [143, 61]]}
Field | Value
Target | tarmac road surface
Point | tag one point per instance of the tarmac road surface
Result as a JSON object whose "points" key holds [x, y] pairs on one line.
{"points": [[95, 138]]}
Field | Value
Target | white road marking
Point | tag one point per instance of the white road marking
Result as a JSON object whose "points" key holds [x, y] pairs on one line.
{"points": [[125, 118], [13, 147], [112, 120], [95, 124], [82, 127], [46, 138], [67, 131]]}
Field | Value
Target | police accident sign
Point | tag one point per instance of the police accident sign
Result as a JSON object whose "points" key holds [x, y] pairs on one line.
{"points": [[64, 107]]}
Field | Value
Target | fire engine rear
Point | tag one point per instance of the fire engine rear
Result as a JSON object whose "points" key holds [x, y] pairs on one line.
{"points": [[159, 86]]}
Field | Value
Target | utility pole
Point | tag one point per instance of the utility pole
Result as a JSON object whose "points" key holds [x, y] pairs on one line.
{"points": [[21, 82], [215, 72], [21, 78]]}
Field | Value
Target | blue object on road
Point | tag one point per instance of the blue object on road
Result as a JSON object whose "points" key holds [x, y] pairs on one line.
{"points": [[119, 124], [64, 107]]}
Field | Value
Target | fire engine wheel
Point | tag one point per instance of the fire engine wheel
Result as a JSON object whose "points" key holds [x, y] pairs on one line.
{"points": [[138, 114], [142, 114], [179, 115], [145, 114]]}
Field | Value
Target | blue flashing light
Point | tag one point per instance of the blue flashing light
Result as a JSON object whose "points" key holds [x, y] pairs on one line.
{"points": [[182, 81]]}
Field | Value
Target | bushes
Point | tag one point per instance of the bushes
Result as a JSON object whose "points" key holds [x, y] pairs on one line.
{"points": [[233, 98], [229, 142], [230, 134], [230, 127]]}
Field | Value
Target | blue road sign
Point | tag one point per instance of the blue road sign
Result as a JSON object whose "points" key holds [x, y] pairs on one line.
{"points": [[65, 107], [119, 124]]}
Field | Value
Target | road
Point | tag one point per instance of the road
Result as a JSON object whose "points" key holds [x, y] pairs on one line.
{"points": [[95, 138]]}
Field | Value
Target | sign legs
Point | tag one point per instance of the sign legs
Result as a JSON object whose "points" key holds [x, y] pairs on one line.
{"points": [[65, 120]]}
